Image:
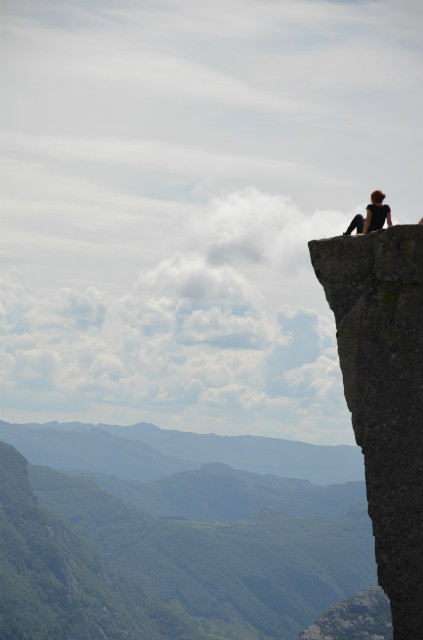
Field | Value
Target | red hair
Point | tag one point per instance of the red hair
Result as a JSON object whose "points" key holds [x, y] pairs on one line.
{"points": [[377, 197]]}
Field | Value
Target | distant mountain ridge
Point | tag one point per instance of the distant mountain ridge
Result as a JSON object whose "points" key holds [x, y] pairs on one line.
{"points": [[217, 492], [166, 452], [92, 448], [286, 458]]}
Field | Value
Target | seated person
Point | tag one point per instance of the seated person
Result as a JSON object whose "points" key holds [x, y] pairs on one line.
{"points": [[377, 213]]}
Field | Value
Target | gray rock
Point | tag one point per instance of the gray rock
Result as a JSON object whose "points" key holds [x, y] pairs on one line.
{"points": [[374, 286], [365, 616]]}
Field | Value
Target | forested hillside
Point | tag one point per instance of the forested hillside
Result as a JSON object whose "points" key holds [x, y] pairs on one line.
{"points": [[270, 574], [54, 586]]}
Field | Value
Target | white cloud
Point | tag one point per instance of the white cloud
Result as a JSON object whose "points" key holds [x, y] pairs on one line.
{"points": [[250, 226], [190, 278], [66, 310], [201, 146], [243, 225], [206, 349]]}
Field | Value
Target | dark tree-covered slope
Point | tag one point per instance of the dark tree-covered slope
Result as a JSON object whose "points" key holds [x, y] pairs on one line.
{"points": [[55, 587]]}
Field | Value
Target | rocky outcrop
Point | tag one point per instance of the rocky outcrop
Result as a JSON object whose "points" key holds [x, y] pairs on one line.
{"points": [[374, 286], [365, 616]]}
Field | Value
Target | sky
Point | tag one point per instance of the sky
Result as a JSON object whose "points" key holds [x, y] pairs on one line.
{"points": [[163, 164]]}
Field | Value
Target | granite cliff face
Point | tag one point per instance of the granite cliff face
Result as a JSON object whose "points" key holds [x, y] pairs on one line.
{"points": [[374, 286]]}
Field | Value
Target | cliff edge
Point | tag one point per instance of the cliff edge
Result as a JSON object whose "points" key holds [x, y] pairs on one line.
{"points": [[374, 286]]}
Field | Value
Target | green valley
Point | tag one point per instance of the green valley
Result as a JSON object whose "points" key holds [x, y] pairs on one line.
{"points": [[269, 574]]}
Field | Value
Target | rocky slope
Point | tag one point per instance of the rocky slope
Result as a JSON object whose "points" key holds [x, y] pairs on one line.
{"points": [[374, 286], [365, 616]]}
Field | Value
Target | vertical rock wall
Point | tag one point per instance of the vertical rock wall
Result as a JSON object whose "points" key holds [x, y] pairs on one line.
{"points": [[374, 286]]}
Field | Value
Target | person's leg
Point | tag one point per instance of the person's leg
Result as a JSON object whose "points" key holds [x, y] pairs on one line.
{"points": [[360, 223], [356, 223]]}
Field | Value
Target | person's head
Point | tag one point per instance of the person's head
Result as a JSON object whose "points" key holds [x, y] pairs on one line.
{"points": [[377, 197]]}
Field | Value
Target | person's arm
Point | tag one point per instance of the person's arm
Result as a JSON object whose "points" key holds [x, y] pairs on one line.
{"points": [[367, 221], [389, 219]]}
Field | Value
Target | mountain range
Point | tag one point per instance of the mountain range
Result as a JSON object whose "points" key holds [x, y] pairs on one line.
{"points": [[226, 550], [217, 492], [271, 573], [145, 452]]}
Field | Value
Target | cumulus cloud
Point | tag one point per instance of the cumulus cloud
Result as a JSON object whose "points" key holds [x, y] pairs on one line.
{"points": [[244, 224], [189, 278], [67, 309], [252, 226], [189, 342], [193, 343]]}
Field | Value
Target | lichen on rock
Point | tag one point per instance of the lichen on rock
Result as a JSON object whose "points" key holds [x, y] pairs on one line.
{"points": [[374, 286]]}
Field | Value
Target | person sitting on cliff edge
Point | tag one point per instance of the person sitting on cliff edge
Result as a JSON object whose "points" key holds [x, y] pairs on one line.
{"points": [[377, 213]]}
